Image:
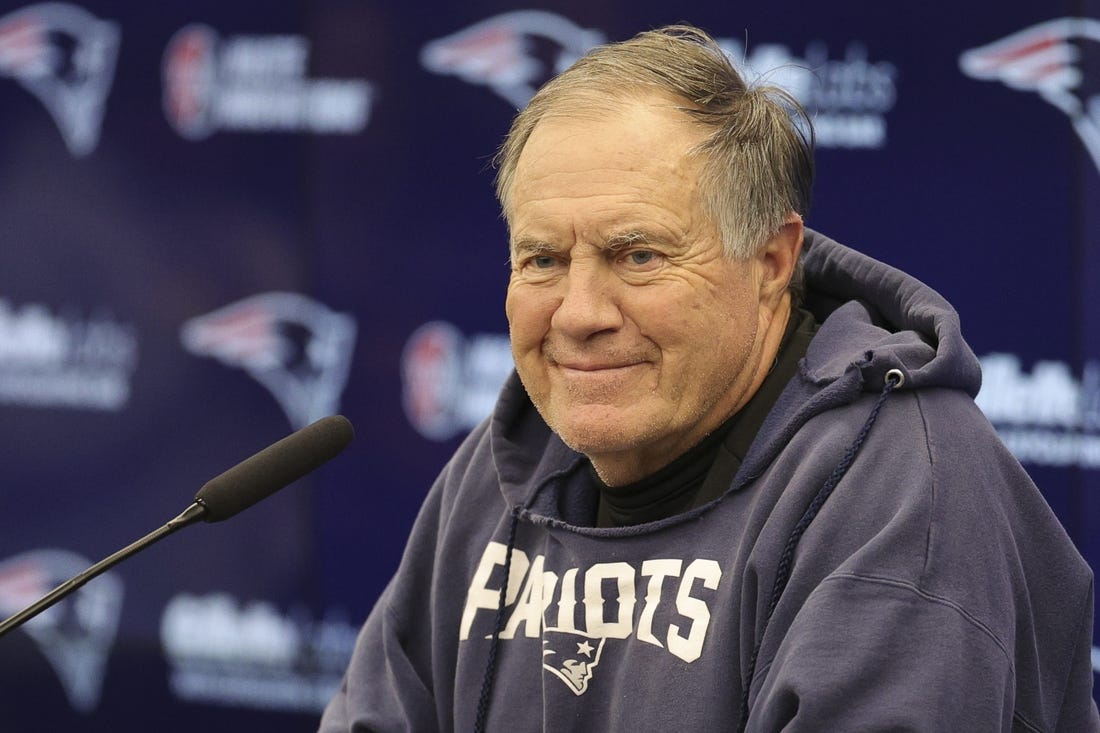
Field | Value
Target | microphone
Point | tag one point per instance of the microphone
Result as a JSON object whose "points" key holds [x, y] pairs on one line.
{"points": [[250, 481], [281, 463]]}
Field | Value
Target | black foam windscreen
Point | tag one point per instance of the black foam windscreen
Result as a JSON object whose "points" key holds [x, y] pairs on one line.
{"points": [[277, 465]]}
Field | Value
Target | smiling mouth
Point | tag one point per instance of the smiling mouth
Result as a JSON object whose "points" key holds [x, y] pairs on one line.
{"points": [[594, 367], [581, 365]]}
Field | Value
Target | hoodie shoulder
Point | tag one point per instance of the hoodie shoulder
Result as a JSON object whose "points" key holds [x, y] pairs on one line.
{"points": [[879, 317]]}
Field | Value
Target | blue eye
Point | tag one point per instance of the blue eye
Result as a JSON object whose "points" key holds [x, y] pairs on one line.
{"points": [[641, 257], [542, 262]]}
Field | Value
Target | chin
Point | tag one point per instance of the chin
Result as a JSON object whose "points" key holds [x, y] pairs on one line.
{"points": [[611, 433]]}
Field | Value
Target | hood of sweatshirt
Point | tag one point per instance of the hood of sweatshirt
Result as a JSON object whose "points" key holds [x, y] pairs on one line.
{"points": [[874, 319]]}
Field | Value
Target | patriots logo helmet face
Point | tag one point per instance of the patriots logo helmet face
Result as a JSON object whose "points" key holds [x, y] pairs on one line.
{"points": [[572, 657], [1047, 59], [65, 57], [512, 53], [77, 633], [294, 346]]}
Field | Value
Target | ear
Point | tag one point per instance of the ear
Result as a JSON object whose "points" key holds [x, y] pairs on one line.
{"points": [[778, 258]]}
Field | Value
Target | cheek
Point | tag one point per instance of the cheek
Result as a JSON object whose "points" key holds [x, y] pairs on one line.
{"points": [[740, 319], [528, 318], [716, 332]]}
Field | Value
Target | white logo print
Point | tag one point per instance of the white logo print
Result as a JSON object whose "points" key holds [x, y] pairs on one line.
{"points": [[76, 634], [450, 382], [250, 654], [571, 657], [63, 361], [65, 57], [255, 84], [514, 53], [294, 346], [660, 602], [848, 98], [501, 52], [1044, 59]]}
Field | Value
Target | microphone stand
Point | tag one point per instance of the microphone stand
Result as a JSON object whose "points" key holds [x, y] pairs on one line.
{"points": [[250, 481], [188, 516]]}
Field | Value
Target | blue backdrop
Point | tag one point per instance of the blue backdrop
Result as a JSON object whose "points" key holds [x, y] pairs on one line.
{"points": [[222, 220]]}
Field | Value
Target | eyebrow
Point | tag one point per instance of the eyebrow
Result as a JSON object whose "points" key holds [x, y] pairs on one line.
{"points": [[632, 237], [628, 238], [532, 246], [613, 242]]}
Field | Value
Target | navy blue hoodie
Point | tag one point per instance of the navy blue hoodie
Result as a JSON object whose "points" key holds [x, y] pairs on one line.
{"points": [[880, 562]]}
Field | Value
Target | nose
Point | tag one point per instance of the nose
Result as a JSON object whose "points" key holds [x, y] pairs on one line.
{"points": [[588, 304]]}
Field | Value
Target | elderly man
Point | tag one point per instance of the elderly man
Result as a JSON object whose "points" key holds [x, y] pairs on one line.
{"points": [[706, 501]]}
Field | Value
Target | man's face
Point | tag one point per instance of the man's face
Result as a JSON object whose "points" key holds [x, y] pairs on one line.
{"points": [[632, 332]]}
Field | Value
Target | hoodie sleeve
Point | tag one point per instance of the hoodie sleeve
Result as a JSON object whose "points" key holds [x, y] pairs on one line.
{"points": [[388, 684], [875, 654], [936, 591], [402, 671], [869, 652]]}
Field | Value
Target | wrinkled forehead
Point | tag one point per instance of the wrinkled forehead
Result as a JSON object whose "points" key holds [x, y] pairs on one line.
{"points": [[631, 171], [647, 133]]}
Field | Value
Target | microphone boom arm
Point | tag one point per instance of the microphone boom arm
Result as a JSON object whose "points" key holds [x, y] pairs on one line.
{"points": [[223, 496], [188, 516]]}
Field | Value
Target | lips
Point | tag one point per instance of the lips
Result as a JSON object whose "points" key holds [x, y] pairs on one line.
{"points": [[606, 361], [594, 366]]}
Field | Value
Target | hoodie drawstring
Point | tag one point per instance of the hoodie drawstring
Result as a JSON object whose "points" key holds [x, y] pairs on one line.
{"points": [[894, 379], [498, 626]]}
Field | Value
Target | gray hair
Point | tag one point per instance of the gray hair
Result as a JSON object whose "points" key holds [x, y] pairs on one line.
{"points": [[758, 166]]}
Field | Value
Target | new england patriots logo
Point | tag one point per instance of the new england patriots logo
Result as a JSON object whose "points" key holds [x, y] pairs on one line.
{"points": [[295, 347], [76, 634], [571, 656], [503, 52], [190, 76], [1045, 59], [65, 57]]}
